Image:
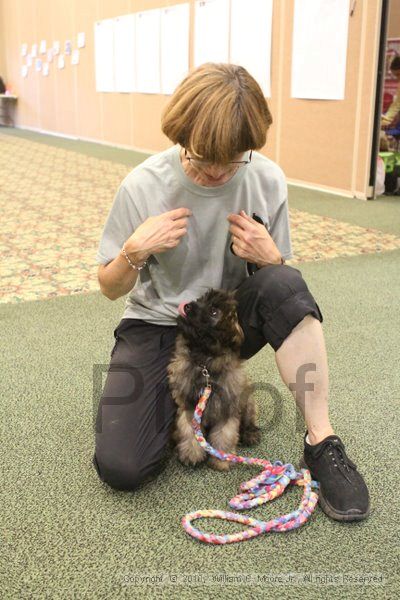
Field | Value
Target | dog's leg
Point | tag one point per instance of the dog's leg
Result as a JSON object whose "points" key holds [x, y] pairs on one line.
{"points": [[224, 436], [249, 433], [189, 450]]}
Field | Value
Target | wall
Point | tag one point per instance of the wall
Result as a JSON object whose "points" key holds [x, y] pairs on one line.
{"points": [[394, 19], [3, 73], [319, 143]]}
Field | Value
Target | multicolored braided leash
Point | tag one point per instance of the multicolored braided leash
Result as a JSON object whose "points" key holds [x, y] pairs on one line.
{"points": [[271, 483]]}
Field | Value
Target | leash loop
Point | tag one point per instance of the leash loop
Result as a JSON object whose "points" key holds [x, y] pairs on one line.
{"points": [[269, 484]]}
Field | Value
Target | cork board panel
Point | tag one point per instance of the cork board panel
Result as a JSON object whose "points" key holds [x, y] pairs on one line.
{"points": [[364, 115], [116, 112], [88, 101], [46, 102], [26, 89], [323, 130], [64, 79]]}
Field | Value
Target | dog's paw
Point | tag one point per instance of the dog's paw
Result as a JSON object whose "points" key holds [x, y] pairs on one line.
{"points": [[251, 436], [191, 454], [218, 465]]}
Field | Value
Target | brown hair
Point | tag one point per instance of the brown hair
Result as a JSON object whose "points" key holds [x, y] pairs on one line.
{"points": [[217, 112]]}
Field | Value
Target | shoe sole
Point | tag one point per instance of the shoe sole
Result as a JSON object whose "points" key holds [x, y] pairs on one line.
{"points": [[329, 510]]}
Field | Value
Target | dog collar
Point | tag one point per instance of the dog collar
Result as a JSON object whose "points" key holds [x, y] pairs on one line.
{"points": [[205, 373]]}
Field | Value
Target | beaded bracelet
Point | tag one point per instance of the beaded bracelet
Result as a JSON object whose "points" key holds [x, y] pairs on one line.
{"points": [[135, 267]]}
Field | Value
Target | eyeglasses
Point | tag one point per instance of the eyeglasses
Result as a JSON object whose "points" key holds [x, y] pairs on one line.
{"points": [[203, 163]]}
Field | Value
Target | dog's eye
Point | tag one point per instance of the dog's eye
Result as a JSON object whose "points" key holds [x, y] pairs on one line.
{"points": [[213, 311]]}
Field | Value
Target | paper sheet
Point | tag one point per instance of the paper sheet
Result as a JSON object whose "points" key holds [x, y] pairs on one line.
{"points": [[104, 55], [124, 54], [61, 61], [211, 32], [75, 57], [319, 52], [251, 39], [148, 25], [81, 39], [174, 46]]}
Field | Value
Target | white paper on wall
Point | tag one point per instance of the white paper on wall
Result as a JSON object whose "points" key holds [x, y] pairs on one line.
{"points": [[320, 32], [24, 51], [56, 47], [75, 57], [24, 70], [61, 61], [148, 25], [81, 40], [38, 64], [174, 46], [50, 55], [104, 55], [29, 60], [34, 50], [251, 39], [42, 48], [211, 32], [124, 54], [45, 69]]}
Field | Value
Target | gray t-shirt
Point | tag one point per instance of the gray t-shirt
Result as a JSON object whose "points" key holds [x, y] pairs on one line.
{"points": [[202, 259]]}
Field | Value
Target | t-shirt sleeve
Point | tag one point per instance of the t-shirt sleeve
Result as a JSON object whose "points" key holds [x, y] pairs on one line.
{"points": [[280, 226], [118, 228]]}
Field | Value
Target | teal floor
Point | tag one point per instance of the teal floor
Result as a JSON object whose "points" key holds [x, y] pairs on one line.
{"points": [[64, 534]]}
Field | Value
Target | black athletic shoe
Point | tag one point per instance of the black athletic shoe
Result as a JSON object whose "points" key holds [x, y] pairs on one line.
{"points": [[343, 494]]}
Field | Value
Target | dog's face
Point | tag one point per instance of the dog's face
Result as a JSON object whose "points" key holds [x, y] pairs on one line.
{"points": [[210, 323]]}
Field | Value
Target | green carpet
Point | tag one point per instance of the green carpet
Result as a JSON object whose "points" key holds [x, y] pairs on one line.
{"points": [[65, 534]]}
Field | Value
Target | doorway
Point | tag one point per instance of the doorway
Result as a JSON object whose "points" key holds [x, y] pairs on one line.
{"points": [[385, 155]]}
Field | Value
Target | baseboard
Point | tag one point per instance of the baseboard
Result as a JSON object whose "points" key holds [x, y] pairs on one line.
{"points": [[88, 139], [327, 189]]}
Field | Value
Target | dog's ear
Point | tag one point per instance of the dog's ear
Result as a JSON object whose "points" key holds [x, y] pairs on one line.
{"points": [[228, 293], [232, 296]]}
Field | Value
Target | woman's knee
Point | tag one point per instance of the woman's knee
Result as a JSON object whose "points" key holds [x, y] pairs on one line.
{"points": [[126, 474], [278, 280]]}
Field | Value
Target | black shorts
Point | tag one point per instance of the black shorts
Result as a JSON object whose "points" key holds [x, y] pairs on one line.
{"points": [[136, 410]]}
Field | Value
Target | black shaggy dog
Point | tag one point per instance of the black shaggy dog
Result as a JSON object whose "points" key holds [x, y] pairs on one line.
{"points": [[209, 335]]}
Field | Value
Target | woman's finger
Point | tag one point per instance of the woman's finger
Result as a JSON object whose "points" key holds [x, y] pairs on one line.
{"points": [[235, 230], [246, 216]]}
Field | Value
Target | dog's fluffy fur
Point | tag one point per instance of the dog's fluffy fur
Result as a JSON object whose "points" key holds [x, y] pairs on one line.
{"points": [[210, 335]]}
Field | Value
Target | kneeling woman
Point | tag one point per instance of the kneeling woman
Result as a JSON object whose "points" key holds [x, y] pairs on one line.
{"points": [[203, 214]]}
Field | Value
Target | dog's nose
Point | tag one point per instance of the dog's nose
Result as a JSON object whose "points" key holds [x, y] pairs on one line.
{"points": [[188, 308], [184, 308]]}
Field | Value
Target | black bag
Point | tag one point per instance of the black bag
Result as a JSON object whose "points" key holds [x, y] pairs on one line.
{"points": [[2, 86], [391, 185]]}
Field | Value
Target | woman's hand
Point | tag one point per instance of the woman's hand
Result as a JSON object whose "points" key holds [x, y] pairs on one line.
{"points": [[251, 241], [158, 234], [395, 122]]}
